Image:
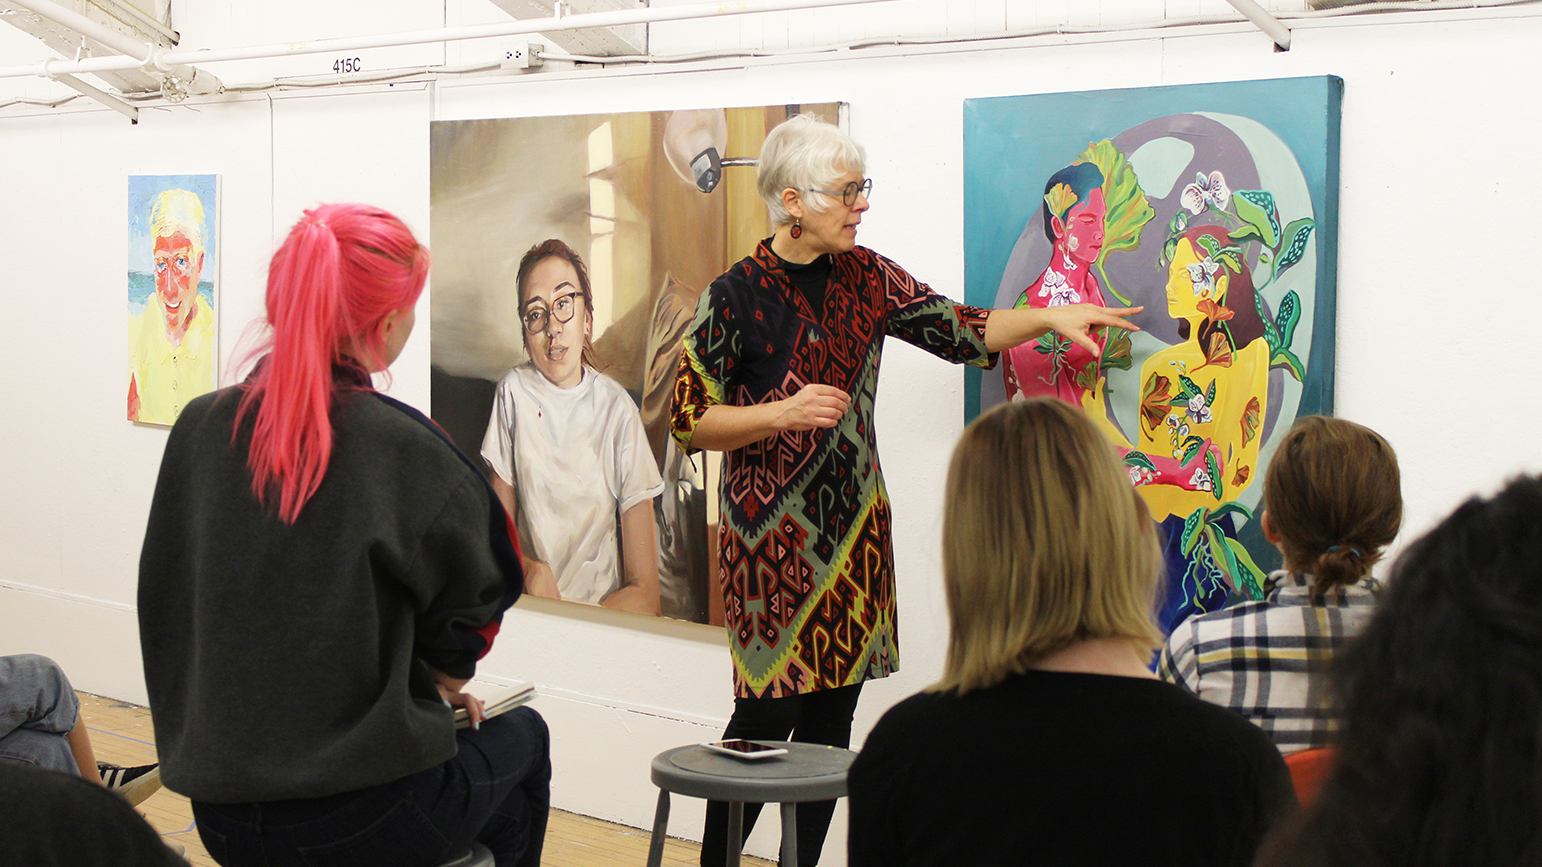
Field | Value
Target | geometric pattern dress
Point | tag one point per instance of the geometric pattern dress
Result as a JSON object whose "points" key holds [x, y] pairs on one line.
{"points": [[805, 552]]}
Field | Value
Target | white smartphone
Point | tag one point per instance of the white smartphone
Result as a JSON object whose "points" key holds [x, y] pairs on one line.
{"points": [[746, 749]]}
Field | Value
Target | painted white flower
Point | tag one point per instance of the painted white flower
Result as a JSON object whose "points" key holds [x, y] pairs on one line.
{"points": [[1201, 480], [1202, 275], [1057, 290], [1198, 411], [1134, 475], [1206, 191]]}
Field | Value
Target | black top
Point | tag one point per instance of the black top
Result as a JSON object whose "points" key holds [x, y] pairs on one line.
{"points": [[1061, 768], [287, 661], [813, 278]]}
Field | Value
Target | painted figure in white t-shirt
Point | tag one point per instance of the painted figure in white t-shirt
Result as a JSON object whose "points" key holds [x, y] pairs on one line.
{"points": [[569, 455]]}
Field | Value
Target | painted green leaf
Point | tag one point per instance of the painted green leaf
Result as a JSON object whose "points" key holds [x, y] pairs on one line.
{"points": [[1271, 334], [1116, 351], [1191, 447], [1288, 316], [1209, 245], [1186, 388], [1288, 360], [1210, 394], [1191, 528], [1252, 576], [1295, 243], [1232, 508], [1214, 469], [1169, 249], [1051, 343], [1246, 233], [1256, 208], [1135, 458]]}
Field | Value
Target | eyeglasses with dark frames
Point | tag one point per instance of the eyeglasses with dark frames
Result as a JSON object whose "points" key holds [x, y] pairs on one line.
{"points": [[562, 308], [849, 194]]}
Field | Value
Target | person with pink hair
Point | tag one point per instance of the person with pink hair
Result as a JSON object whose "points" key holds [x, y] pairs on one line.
{"points": [[321, 572]]}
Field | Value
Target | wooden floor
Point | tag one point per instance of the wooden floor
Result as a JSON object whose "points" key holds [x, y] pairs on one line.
{"points": [[122, 734]]}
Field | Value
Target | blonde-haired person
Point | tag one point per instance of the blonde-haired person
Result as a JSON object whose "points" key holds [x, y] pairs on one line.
{"points": [[780, 371], [1048, 740], [1332, 502]]}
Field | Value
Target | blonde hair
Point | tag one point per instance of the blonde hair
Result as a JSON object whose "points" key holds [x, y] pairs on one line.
{"points": [[1045, 543], [178, 209], [804, 153]]}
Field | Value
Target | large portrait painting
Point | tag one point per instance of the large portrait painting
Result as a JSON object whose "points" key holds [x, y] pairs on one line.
{"points": [[569, 254], [172, 280], [1214, 207]]}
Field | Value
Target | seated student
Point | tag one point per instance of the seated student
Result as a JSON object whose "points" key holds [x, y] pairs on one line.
{"points": [[1048, 739], [1332, 502], [1439, 753], [321, 571], [41, 724]]}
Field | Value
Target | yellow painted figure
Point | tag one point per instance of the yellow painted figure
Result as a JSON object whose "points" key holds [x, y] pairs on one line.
{"points": [[1202, 401]]}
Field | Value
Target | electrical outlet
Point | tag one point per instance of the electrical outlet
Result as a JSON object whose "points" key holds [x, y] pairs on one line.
{"points": [[519, 54]]}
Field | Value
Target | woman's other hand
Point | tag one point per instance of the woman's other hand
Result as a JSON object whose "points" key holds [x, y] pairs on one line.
{"points": [[814, 406], [724, 427]]}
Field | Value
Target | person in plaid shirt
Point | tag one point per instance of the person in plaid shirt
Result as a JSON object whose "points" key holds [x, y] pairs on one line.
{"points": [[1332, 502]]}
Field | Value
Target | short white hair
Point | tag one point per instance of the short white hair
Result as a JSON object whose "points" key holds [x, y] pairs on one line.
{"points": [[805, 153], [178, 209]]}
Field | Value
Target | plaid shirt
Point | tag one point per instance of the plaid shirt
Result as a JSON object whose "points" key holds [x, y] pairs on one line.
{"points": [[1265, 660]]}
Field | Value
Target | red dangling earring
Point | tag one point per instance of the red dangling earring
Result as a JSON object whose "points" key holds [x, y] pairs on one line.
{"points": [[797, 228]]}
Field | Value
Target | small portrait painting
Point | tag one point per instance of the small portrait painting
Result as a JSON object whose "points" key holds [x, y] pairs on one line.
{"points": [[172, 280]]}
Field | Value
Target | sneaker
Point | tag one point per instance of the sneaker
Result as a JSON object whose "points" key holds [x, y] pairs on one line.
{"points": [[134, 784]]}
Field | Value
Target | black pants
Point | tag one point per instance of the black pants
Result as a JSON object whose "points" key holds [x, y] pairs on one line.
{"points": [[822, 717]]}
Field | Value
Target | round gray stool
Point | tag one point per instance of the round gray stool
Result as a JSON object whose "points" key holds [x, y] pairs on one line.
{"points": [[476, 856], [809, 772]]}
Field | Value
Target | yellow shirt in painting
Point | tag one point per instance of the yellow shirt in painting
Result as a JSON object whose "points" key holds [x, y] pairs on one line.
{"points": [[167, 376]]}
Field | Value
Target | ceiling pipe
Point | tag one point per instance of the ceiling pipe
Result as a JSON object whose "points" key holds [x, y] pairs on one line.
{"points": [[1273, 27], [188, 78], [165, 60]]}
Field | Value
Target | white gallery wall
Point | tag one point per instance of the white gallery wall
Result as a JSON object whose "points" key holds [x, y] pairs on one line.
{"points": [[1436, 320]]}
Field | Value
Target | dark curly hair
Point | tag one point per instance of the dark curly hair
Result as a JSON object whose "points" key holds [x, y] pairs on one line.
{"points": [[1440, 754]]}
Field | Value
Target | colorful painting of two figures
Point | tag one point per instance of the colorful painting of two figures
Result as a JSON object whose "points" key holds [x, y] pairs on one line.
{"points": [[1214, 207]]}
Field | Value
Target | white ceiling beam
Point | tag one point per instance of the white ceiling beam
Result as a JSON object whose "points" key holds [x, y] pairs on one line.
{"points": [[601, 41]]}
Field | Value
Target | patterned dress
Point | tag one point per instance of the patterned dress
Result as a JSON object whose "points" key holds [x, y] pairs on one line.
{"points": [[807, 562]]}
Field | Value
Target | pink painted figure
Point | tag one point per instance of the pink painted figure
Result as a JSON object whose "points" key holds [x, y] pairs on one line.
{"points": [[1051, 365]]}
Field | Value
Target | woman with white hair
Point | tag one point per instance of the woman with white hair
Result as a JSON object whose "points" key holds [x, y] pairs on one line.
{"points": [[779, 370]]}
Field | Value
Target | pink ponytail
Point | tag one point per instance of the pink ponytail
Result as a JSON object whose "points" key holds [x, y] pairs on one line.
{"points": [[340, 272]]}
